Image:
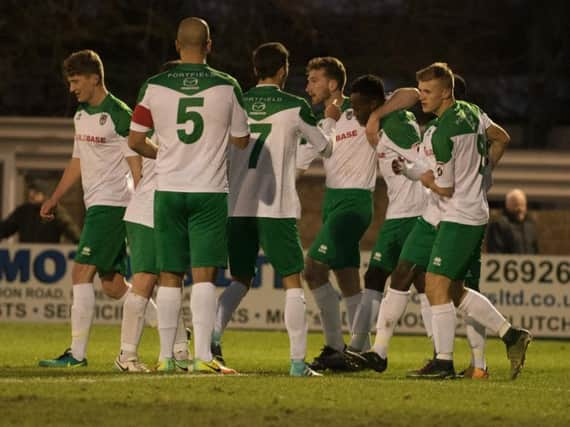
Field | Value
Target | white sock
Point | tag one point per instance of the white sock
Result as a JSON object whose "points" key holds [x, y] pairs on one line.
{"points": [[476, 334], [363, 318], [203, 307], [151, 314], [296, 322], [478, 307], [425, 309], [328, 301], [168, 301], [181, 338], [228, 302], [132, 324], [351, 304], [82, 313], [444, 320], [392, 307]]}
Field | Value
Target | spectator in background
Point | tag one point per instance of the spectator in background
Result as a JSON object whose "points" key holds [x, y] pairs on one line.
{"points": [[514, 232], [25, 220]]}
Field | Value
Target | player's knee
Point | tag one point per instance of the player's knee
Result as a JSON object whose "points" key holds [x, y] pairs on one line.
{"points": [[82, 273], [375, 278], [402, 276], [114, 288], [315, 274]]}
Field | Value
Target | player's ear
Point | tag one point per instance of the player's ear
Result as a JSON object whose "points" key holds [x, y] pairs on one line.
{"points": [[332, 85], [177, 46], [208, 46]]}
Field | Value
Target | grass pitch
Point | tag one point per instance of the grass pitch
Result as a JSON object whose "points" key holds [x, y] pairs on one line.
{"points": [[264, 395]]}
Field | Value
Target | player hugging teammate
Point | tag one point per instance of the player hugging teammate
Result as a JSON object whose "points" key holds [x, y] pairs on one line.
{"points": [[208, 139]]}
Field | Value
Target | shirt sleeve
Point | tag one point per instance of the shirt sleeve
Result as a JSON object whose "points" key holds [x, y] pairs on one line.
{"points": [[306, 153], [141, 120], [486, 121], [239, 126], [445, 162], [308, 127]]}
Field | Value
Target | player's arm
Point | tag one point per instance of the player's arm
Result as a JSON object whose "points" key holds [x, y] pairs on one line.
{"points": [[139, 143], [140, 125], [401, 99], [240, 141], [239, 128], [428, 181], [499, 139], [319, 138], [135, 165], [70, 176], [443, 181]]}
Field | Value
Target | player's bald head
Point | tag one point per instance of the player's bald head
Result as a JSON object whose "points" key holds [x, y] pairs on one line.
{"points": [[193, 33]]}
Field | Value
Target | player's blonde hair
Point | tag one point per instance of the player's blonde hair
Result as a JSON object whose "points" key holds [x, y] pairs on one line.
{"points": [[437, 71]]}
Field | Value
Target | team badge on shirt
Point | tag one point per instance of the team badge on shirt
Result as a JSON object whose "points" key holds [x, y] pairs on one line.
{"points": [[349, 114], [103, 119]]}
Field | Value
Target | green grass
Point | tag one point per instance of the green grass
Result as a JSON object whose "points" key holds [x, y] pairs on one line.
{"points": [[264, 395]]}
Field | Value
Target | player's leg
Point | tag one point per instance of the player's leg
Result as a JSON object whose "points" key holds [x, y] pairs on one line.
{"points": [[475, 332], [413, 259], [348, 221], [450, 258], [132, 325], [173, 260], [82, 314], [476, 307], [383, 260], [243, 247], [101, 246], [208, 245], [279, 238]]}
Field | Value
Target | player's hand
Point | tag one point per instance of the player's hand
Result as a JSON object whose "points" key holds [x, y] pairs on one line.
{"points": [[428, 179], [333, 111], [398, 165], [372, 129], [47, 210]]}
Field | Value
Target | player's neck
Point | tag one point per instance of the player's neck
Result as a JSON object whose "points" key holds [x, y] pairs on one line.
{"points": [[270, 81], [98, 96], [444, 106], [337, 95], [192, 57]]}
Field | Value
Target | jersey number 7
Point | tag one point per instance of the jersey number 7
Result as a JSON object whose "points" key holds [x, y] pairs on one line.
{"points": [[263, 129]]}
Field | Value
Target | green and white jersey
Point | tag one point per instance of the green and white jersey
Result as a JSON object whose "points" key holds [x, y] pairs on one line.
{"points": [[100, 144], [193, 110], [141, 207], [262, 177], [432, 211], [400, 139], [353, 161], [460, 148]]}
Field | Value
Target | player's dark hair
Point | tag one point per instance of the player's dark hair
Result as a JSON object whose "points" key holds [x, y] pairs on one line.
{"points": [[460, 87], [268, 58], [437, 70], [370, 86], [334, 69], [84, 62]]}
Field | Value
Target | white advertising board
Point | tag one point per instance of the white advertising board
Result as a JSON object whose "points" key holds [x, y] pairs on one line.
{"points": [[531, 291]]}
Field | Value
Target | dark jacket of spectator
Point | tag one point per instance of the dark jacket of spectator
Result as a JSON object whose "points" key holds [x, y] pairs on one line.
{"points": [[508, 235]]}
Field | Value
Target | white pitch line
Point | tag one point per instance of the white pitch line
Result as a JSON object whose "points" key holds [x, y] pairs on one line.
{"points": [[118, 379]]}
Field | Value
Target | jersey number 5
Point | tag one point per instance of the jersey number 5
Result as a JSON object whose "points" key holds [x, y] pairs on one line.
{"points": [[185, 115], [263, 129]]}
